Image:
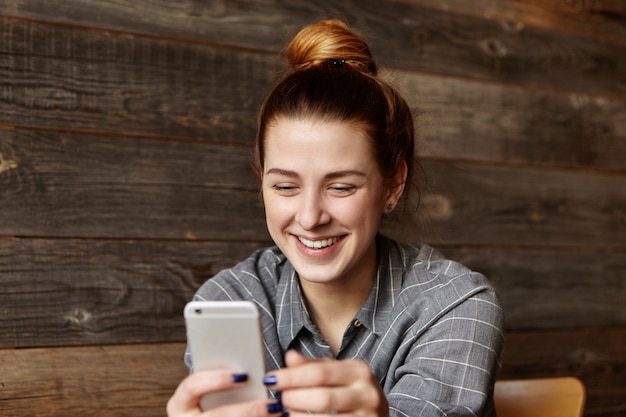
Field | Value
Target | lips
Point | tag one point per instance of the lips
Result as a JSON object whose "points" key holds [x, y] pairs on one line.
{"points": [[318, 244]]}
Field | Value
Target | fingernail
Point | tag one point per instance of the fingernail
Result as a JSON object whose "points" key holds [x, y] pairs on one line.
{"points": [[240, 377], [285, 414], [275, 407], [270, 380]]}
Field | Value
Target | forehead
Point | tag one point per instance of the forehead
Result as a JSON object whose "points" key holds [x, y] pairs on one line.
{"points": [[315, 139]]}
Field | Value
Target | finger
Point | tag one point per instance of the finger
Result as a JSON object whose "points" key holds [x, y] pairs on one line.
{"points": [[258, 408], [307, 413], [187, 395], [324, 400], [334, 399], [316, 373]]}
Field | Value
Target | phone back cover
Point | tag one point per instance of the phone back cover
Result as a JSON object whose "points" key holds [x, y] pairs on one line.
{"points": [[226, 335]]}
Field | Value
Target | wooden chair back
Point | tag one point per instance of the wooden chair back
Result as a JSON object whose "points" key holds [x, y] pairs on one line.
{"points": [[542, 397]]}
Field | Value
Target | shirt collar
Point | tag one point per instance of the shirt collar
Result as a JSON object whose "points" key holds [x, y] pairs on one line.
{"points": [[374, 314], [292, 314]]}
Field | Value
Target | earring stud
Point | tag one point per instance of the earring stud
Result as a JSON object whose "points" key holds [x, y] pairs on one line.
{"points": [[389, 208]]}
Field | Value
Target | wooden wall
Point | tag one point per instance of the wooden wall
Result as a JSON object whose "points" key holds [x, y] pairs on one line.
{"points": [[125, 133]]}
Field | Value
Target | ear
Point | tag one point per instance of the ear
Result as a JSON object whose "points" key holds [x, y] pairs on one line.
{"points": [[396, 185]]}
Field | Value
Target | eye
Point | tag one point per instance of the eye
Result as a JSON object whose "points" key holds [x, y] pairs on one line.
{"points": [[284, 188], [342, 189]]}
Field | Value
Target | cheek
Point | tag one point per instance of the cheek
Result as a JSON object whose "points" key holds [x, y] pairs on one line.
{"points": [[275, 212], [356, 210]]}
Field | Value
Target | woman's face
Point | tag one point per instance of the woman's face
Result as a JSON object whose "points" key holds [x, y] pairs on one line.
{"points": [[324, 197]]}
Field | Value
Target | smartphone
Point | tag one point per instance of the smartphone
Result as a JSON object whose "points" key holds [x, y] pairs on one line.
{"points": [[227, 335]]}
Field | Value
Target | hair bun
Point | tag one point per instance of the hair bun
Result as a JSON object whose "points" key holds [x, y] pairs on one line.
{"points": [[329, 40]]}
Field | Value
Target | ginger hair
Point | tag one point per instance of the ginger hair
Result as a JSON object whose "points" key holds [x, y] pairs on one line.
{"points": [[326, 40]]}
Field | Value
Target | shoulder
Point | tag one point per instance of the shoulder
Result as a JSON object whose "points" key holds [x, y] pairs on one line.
{"points": [[262, 262], [434, 282], [257, 275], [427, 268]]}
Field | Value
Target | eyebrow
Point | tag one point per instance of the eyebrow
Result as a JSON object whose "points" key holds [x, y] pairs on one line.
{"points": [[330, 175]]}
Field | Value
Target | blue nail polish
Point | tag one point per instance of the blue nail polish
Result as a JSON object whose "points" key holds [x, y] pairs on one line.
{"points": [[270, 380], [274, 407], [285, 414], [240, 377]]}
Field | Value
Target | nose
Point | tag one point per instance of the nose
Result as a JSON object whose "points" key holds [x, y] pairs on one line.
{"points": [[312, 212]]}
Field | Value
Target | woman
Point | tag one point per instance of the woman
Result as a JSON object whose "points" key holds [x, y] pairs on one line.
{"points": [[354, 323]]}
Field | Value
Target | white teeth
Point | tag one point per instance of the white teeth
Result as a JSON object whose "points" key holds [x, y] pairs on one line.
{"points": [[318, 244]]}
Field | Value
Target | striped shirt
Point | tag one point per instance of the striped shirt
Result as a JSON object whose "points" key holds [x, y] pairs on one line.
{"points": [[431, 329]]}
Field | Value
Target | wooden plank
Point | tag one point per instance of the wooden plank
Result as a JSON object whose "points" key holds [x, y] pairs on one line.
{"points": [[127, 380], [62, 292], [83, 292], [543, 289], [72, 185], [468, 47], [403, 36], [68, 79], [596, 355], [602, 20], [59, 77], [479, 121], [475, 204]]}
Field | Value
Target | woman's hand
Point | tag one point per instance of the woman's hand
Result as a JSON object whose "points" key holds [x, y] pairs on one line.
{"points": [[185, 400], [324, 386]]}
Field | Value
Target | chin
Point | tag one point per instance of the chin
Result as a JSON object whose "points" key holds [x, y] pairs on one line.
{"points": [[318, 272]]}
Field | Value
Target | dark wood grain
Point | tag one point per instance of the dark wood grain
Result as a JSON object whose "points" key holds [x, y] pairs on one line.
{"points": [[84, 292], [403, 36], [459, 119], [63, 78], [72, 185], [59, 77], [487, 205], [602, 20], [127, 380]]}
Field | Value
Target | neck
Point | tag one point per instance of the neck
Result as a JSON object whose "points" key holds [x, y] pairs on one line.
{"points": [[332, 302], [333, 305]]}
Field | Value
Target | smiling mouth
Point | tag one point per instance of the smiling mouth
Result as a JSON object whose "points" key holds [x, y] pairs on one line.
{"points": [[318, 244]]}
